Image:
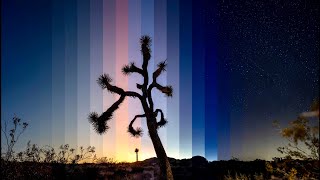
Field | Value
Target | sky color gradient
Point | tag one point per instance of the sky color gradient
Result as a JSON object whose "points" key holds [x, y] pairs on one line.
{"points": [[53, 51]]}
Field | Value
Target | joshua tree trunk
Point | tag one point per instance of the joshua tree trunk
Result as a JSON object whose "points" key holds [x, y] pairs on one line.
{"points": [[161, 153]]}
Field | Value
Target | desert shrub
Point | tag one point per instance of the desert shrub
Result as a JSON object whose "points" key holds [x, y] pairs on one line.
{"points": [[47, 154], [11, 136], [302, 135], [293, 169], [46, 163], [105, 161], [240, 176], [40, 162]]}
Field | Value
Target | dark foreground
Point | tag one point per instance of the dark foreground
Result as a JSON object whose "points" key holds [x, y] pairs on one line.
{"points": [[195, 168]]}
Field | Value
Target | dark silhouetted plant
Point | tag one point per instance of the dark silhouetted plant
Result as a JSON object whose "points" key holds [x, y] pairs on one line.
{"points": [[136, 151], [99, 122], [47, 154], [302, 135], [45, 162], [39, 162], [12, 136]]}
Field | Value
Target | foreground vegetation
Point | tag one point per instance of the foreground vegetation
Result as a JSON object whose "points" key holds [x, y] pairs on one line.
{"points": [[195, 168], [300, 161]]}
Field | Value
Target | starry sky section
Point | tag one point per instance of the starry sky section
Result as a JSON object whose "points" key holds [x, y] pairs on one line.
{"points": [[272, 44], [269, 53]]}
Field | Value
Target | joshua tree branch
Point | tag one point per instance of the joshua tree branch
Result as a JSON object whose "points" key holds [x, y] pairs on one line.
{"points": [[133, 94], [164, 89], [139, 86], [112, 108], [138, 131], [156, 74], [161, 113], [131, 68], [162, 121], [100, 122], [145, 42], [104, 81], [161, 67], [137, 116]]}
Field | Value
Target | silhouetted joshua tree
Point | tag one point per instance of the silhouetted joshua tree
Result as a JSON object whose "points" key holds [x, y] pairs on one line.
{"points": [[136, 151], [99, 122]]}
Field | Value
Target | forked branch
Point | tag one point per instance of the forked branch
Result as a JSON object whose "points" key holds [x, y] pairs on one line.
{"points": [[166, 90]]}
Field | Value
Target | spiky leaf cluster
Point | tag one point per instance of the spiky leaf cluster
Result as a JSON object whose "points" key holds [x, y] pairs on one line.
{"points": [[104, 81], [145, 47], [162, 65], [130, 68], [167, 90], [99, 125], [163, 122], [145, 41], [100, 122], [135, 132], [161, 68]]}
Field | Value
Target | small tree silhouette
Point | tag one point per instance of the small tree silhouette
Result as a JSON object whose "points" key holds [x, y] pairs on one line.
{"points": [[301, 132], [303, 143], [136, 151], [99, 122], [12, 136]]}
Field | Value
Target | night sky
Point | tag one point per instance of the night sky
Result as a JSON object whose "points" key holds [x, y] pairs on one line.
{"points": [[235, 66]]}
